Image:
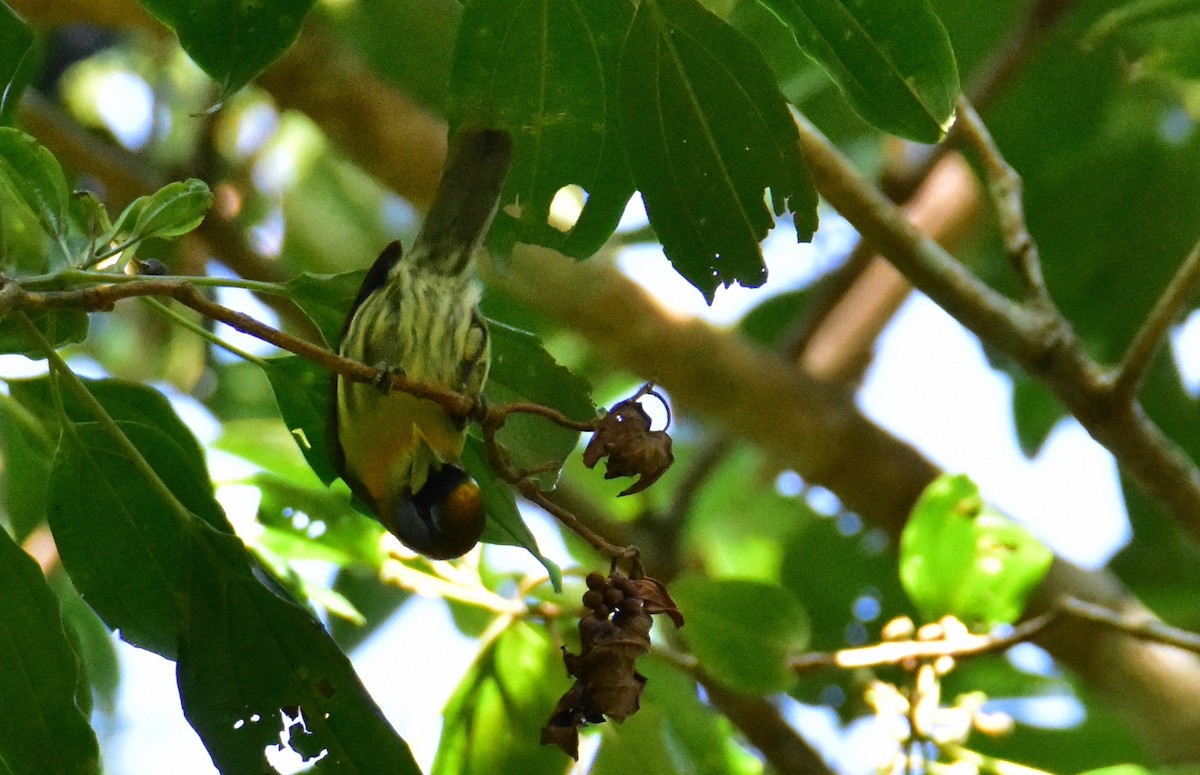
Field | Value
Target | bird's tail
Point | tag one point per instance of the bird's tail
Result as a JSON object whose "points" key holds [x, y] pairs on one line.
{"points": [[467, 197]]}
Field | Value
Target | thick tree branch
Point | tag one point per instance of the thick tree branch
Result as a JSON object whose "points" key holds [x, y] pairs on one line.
{"points": [[1038, 339]]}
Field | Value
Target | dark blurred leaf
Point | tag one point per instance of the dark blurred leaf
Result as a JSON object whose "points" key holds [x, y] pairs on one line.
{"points": [[743, 632], [892, 60], [421, 67], [504, 523], [492, 722], [960, 557], [547, 72], [42, 729], [16, 39], [522, 371], [232, 42], [326, 299], [707, 132], [767, 323], [302, 391], [172, 211], [60, 328], [34, 175]]}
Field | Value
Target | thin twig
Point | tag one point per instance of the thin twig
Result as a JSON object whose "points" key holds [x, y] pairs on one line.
{"points": [[533, 493], [1006, 188], [894, 652], [1143, 628], [1150, 337]]}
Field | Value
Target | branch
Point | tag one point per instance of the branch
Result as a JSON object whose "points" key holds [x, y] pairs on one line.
{"points": [[1150, 337], [1037, 338], [1006, 189], [958, 646]]}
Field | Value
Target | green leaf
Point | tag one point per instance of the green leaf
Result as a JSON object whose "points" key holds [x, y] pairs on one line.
{"points": [[707, 132], [59, 327], [170, 582], [247, 656], [42, 728], [94, 643], [16, 40], [743, 632], [547, 71], [1134, 14], [1156, 37], [232, 42], [28, 444], [302, 392], [959, 557], [892, 60], [174, 210], [522, 371], [326, 299], [99, 498], [329, 528], [124, 402], [34, 175], [492, 722], [504, 524]]}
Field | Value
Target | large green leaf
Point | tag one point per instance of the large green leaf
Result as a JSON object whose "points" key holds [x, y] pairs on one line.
{"points": [[959, 557], [743, 632], [42, 727], [892, 59], [172, 583], [99, 498], [707, 132], [547, 71], [232, 42], [247, 656]]}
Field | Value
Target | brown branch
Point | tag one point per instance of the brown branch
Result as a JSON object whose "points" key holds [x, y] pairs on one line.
{"points": [[1149, 339], [1007, 192], [1038, 339], [1142, 627]]}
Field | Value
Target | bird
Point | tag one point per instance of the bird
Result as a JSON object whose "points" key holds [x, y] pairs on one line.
{"points": [[416, 314]]}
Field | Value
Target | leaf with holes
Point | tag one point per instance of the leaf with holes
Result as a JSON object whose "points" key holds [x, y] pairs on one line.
{"points": [[960, 557], [546, 70], [707, 133]]}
